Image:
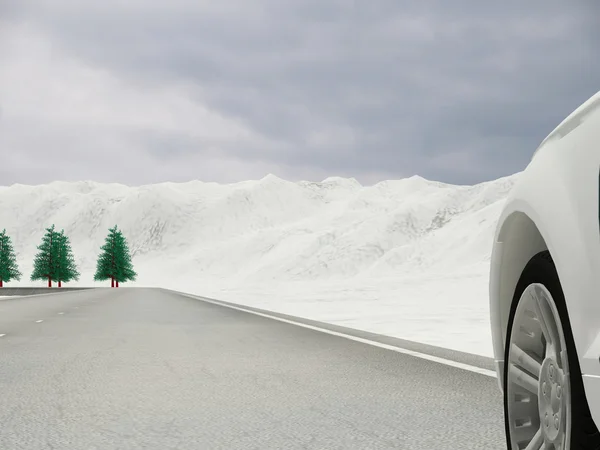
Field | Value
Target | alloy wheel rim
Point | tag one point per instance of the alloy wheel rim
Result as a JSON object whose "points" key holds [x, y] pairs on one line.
{"points": [[538, 382]]}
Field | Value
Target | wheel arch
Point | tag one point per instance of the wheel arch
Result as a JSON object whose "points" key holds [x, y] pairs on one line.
{"points": [[518, 240]]}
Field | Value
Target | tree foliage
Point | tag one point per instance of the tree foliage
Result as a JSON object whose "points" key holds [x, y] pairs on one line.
{"points": [[9, 269], [124, 266], [65, 268], [114, 260], [44, 262], [54, 260]]}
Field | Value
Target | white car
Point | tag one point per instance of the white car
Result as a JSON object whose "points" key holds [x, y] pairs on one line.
{"points": [[545, 292]]}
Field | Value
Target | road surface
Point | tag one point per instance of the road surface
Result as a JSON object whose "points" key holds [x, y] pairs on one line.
{"points": [[134, 368]]}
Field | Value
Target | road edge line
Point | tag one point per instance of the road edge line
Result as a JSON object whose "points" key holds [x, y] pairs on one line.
{"points": [[393, 348]]}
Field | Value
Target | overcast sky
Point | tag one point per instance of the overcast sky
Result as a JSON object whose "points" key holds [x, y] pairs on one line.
{"points": [[144, 91]]}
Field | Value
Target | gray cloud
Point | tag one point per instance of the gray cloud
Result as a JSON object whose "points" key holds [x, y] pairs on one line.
{"points": [[456, 91]]}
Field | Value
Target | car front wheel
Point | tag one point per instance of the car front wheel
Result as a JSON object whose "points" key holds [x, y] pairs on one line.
{"points": [[544, 400]]}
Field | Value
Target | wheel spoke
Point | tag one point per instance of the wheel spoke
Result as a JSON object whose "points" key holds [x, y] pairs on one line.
{"points": [[523, 379], [518, 356], [546, 321], [537, 442]]}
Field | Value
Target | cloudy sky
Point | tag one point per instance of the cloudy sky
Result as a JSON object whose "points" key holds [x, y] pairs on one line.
{"points": [[143, 91]]}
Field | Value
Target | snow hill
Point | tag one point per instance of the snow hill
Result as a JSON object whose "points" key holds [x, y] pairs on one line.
{"points": [[275, 243]]}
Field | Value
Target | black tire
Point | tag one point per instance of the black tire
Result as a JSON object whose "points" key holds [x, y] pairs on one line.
{"points": [[584, 433]]}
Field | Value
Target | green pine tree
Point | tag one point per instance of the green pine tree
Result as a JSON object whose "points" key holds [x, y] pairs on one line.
{"points": [[114, 261], [65, 268], [8, 262], [45, 261]]}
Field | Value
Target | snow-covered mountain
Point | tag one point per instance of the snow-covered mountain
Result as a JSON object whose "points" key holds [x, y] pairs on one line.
{"points": [[289, 246], [270, 229]]}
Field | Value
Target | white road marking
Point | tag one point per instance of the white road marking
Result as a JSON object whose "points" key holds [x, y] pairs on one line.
{"points": [[2, 335], [61, 312], [448, 362], [38, 321]]}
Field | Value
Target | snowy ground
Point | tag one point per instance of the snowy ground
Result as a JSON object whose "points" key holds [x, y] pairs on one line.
{"points": [[407, 258]]}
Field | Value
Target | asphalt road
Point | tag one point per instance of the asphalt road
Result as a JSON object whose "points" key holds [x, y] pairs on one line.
{"points": [[152, 369]]}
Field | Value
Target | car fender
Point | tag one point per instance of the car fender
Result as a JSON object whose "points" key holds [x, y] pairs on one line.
{"points": [[561, 215]]}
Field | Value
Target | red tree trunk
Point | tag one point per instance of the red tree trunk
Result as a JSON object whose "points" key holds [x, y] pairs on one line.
{"points": [[112, 281], [59, 283], [49, 281], [117, 283], [0, 282]]}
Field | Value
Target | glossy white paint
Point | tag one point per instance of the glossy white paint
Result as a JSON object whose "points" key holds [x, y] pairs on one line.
{"points": [[555, 206]]}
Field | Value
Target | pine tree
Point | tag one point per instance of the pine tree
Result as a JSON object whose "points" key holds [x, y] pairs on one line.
{"points": [[8, 260], [114, 262], [45, 260], [65, 268]]}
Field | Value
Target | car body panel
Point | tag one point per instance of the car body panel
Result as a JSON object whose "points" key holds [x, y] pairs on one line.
{"points": [[558, 195]]}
